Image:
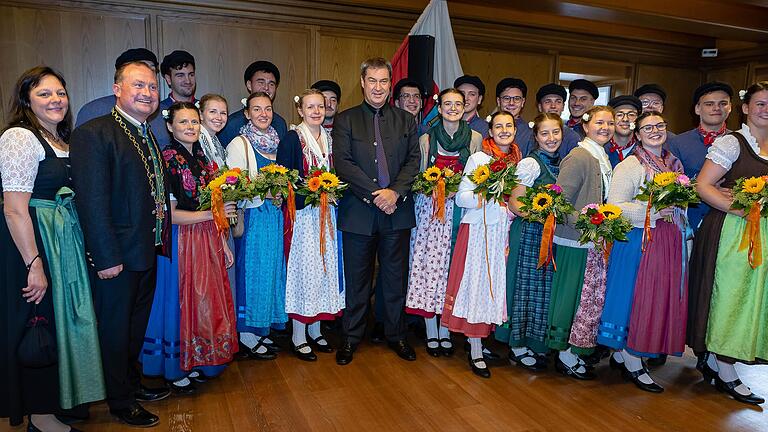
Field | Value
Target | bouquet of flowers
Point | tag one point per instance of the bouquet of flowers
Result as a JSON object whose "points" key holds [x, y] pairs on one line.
{"points": [[751, 196], [437, 183], [669, 189], [277, 182], [495, 180], [228, 185], [546, 205], [602, 225], [322, 188]]}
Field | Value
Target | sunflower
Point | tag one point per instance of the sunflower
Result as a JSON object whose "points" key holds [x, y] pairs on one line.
{"points": [[269, 169], [610, 211], [328, 180], [753, 185], [313, 184], [432, 174], [665, 178], [217, 182], [481, 174], [448, 173], [279, 169], [542, 201]]}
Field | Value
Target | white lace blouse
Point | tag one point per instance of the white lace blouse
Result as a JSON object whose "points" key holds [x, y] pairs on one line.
{"points": [[20, 154], [725, 150]]}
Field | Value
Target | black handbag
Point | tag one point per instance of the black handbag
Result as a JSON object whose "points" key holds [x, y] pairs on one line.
{"points": [[37, 348]]}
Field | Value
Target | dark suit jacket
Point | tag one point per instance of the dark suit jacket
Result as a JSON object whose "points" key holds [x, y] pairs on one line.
{"points": [[354, 155], [113, 196]]}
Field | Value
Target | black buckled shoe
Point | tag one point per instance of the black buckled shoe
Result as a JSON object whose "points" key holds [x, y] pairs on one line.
{"points": [[151, 394], [635, 378], [434, 352], [481, 372], [323, 348], [183, 390], [305, 356], [403, 349], [730, 389], [598, 354], [487, 354], [345, 353], [253, 353], [538, 366], [446, 350], [710, 375], [574, 371], [615, 364], [198, 377], [135, 415]]}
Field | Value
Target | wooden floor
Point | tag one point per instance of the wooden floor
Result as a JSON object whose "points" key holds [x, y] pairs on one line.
{"points": [[380, 392]]}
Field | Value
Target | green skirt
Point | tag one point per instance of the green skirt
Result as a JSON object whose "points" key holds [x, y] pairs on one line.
{"points": [[502, 332], [738, 315], [566, 292]]}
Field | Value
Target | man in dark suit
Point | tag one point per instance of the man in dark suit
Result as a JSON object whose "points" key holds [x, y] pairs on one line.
{"points": [[376, 151], [122, 195]]}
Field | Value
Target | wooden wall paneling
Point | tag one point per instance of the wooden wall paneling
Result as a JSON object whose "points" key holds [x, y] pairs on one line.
{"points": [[492, 66], [82, 45], [737, 78], [340, 55], [223, 49], [679, 85], [758, 72]]}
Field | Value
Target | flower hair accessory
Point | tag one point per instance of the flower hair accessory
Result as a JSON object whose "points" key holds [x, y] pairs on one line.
{"points": [[296, 99], [244, 101], [531, 124], [585, 117], [165, 113], [488, 118], [197, 104], [435, 97], [632, 126], [742, 93]]}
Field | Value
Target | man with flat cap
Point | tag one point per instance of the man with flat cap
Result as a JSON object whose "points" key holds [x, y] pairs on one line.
{"points": [[583, 94], [510, 97], [474, 91], [550, 98], [103, 105], [626, 110], [332, 93], [653, 97], [259, 76], [712, 104]]}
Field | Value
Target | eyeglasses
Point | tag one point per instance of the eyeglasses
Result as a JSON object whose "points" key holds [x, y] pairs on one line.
{"points": [[449, 104], [651, 103], [508, 99], [411, 96], [658, 126], [629, 115]]}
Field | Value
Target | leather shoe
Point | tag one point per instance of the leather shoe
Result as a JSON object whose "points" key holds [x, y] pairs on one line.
{"points": [[446, 350], [377, 335], [33, 428], [434, 352], [481, 372], [487, 354], [635, 378], [323, 348], [730, 388], [135, 415], [656, 361], [147, 394], [538, 366], [573, 371], [305, 356], [403, 349], [710, 375], [186, 390], [253, 353], [615, 364], [344, 354]]}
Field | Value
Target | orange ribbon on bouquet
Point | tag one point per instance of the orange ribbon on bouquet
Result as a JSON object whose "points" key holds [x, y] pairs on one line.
{"points": [[647, 225], [545, 250], [325, 222], [217, 209], [438, 200], [607, 251], [751, 237], [291, 204]]}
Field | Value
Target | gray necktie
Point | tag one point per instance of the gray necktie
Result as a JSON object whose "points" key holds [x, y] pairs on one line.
{"points": [[381, 158]]}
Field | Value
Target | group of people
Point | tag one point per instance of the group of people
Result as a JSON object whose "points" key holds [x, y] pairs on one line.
{"points": [[104, 246]]}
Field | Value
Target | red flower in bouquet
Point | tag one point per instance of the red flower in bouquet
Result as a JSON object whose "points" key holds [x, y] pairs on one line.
{"points": [[498, 165], [597, 218]]}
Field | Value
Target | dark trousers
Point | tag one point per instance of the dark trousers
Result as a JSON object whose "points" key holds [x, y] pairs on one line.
{"points": [[122, 307], [392, 248]]}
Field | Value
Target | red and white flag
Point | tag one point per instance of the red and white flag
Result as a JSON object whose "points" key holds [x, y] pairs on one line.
{"points": [[435, 22]]}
